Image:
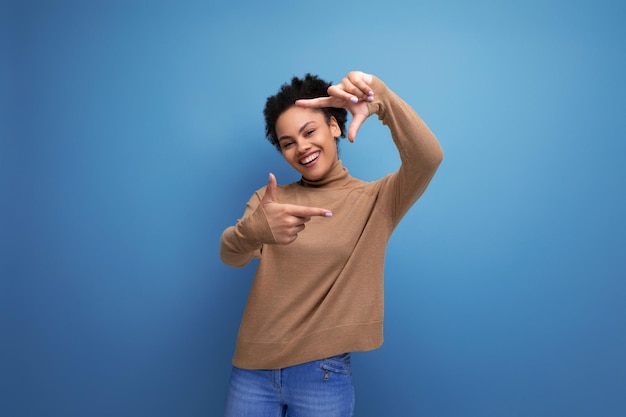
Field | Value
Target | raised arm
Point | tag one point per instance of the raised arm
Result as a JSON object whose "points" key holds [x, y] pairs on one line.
{"points": [[418, 147], [363, 95]]}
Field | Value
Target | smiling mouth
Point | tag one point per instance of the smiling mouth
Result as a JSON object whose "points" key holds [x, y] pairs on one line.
{"points": [[310, 158]]}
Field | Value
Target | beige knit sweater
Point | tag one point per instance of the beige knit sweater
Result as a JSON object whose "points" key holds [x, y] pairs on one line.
{"points": [[322, 295]]}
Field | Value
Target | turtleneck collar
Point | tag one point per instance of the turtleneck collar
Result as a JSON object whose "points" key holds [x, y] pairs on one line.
{"points": [[336, 177]]}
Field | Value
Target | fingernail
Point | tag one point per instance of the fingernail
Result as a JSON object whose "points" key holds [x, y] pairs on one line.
{"points": [[354, 99], [328, 214], [371, 93], [370, 98]]}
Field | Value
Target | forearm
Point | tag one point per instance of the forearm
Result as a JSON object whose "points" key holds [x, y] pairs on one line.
{"points": [[419, 149], [243, 241], [233, 249]]}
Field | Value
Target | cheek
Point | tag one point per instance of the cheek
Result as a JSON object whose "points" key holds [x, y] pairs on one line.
{"points": [[287, 154]]}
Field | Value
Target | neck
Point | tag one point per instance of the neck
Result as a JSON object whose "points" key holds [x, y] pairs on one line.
{"points": [[336, 177]]}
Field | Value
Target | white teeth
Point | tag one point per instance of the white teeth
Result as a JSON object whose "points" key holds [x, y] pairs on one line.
{"points": [[310, 158]]}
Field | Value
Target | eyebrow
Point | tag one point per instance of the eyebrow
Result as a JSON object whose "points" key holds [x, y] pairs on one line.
{"points": [[299, 131]]}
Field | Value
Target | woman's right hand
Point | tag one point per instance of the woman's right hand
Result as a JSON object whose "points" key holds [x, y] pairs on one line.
{"points": [[286, 220]]}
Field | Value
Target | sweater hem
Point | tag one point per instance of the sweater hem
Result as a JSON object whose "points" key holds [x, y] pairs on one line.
{"points": [[318, 345]]}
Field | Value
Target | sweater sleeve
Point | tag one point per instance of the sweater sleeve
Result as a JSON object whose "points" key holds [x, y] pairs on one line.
{"points": [[244, 241], [420, 152]]}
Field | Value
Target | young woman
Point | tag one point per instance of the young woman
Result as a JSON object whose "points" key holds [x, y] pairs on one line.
{"points": [[318, 290]]}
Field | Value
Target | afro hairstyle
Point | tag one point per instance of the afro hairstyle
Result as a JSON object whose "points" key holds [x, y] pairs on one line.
{"points": [[311, 86]]}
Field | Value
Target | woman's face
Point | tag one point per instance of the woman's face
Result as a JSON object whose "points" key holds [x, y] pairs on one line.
{"points": [[307, 142]]}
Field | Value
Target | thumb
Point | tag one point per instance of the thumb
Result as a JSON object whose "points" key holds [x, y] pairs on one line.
{"points": [[270, 191]]}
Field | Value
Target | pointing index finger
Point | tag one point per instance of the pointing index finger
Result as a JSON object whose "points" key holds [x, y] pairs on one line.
{"points": [[304, 211], [319, 102]]}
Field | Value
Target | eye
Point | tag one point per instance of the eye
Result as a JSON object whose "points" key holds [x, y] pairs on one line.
{"points": [[309, 132], [287, 144]]}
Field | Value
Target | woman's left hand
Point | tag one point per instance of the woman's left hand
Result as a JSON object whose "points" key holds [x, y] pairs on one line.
{"points": [[352, 93]]}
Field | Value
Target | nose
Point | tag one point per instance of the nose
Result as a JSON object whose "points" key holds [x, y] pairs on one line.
{"points": [[303, 146]]}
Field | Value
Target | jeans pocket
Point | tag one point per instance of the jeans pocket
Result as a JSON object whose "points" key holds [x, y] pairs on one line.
{"points": [[339, 364]]}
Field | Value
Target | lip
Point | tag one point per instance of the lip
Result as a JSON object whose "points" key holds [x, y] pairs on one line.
{"points": [[305, 157]]}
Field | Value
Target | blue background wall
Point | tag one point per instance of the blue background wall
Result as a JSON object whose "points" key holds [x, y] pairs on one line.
{"points": [[132, 135]]}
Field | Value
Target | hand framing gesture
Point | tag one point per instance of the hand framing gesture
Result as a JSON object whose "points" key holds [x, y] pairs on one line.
{"points": [[352, 93]]}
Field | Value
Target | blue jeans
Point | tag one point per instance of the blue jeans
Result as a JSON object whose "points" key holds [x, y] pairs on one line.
{"points": [[313, 389]]}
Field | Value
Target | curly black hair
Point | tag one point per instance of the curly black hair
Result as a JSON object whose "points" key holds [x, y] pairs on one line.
{"points": [[311, 86]]}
